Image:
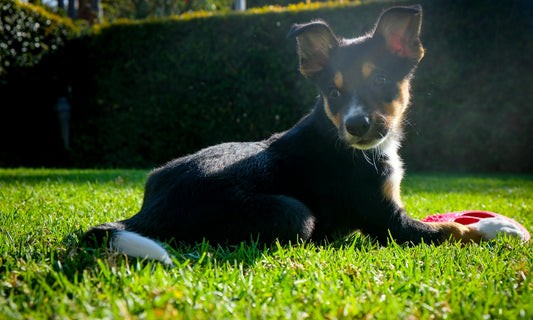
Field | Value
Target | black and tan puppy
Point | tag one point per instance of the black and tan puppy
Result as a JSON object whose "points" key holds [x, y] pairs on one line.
{"points": [[335, 172]]}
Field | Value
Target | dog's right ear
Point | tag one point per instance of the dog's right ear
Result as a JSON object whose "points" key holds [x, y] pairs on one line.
{"points": [[400, 28], [315, 42]]}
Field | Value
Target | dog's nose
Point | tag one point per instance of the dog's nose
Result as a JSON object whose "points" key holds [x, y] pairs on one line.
{"points": [[358, 125]]}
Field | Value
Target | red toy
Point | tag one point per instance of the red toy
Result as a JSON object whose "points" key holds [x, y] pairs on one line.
{"points": [[472, 217]]}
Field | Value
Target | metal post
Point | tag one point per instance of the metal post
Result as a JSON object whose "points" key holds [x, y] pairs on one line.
{"points": [[240, 5], [72, 12], [63, 114]]}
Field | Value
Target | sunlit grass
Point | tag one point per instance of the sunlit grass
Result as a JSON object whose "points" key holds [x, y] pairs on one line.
{"points": [[44, 275]]}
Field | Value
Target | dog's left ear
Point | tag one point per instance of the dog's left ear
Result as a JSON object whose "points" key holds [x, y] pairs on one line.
{"points": [[400, 28], [315, 42]]}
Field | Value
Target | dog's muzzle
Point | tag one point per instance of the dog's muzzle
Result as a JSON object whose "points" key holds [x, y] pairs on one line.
{"points": [[358, 125], [362, 131]]}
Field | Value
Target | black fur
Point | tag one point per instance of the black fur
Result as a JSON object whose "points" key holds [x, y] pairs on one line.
{"points": [[303, 184], [300, 184]]}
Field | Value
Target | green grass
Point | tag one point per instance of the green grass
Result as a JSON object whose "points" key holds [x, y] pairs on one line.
{"points": [[44, 275]]}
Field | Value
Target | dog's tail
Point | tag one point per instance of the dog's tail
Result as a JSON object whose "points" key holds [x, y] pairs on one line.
{"points": [[127, 242]]}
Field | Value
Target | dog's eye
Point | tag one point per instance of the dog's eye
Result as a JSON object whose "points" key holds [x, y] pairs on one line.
{"points": [[380, 80], [334, 92]]}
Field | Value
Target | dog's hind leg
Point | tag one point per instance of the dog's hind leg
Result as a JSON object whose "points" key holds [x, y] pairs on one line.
{"points": [[283, 218], [228, 220], [235, 217], [248, 216]]}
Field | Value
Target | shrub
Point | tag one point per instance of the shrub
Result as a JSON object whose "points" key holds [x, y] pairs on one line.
{"points": [[471, 95], [153, 90], [146, 92], [28, 32], [31, 78]]}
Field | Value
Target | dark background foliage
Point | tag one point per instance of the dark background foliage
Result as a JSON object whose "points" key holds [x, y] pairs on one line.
{"points": [[146, 92], [32, 76]]}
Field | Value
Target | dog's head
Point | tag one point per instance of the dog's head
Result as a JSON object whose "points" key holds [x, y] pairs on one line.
{"points": [[364, 82]]}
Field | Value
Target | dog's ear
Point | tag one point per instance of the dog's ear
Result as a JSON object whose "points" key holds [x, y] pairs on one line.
{"points": [[315, 41], [400, 29]]}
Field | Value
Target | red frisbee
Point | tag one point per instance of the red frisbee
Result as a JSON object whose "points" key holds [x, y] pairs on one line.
{"points": [[470, 217]]}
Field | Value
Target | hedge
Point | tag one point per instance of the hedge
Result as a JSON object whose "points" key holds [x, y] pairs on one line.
{"points": [[146, 92], [27, 33], [32, 67], [176, 86], [472, 91]]}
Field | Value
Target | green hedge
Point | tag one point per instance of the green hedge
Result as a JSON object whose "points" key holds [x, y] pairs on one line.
{"points": [[27, 33], [32, 68], [144, 93], [151, 91], [263, 3], [472, 91]]}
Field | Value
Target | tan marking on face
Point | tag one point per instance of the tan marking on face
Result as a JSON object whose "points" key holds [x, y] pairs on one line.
{"points": [[335, 118], [395, 109], [338, 80], [368, 68], [457, 232]]}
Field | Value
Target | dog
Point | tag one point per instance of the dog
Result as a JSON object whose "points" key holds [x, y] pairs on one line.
{"points": [[337, 171]]}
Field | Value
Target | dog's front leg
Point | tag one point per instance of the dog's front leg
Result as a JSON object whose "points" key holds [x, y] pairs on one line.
{"points": [[407, 229]]}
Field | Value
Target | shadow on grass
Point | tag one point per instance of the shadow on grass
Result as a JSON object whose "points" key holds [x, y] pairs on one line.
{"points": [[79, 256]]}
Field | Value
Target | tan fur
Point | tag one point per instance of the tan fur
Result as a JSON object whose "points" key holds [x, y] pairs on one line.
{"points": [[338, 80], [335, 118], [395, 109], [368, 68], [391, 189], [457, 232]]}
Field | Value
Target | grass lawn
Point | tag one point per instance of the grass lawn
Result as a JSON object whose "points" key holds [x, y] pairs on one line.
{"points": [[44, 275]]}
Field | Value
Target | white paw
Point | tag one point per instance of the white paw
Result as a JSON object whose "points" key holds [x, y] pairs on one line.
{"points": [[490, 228]]}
